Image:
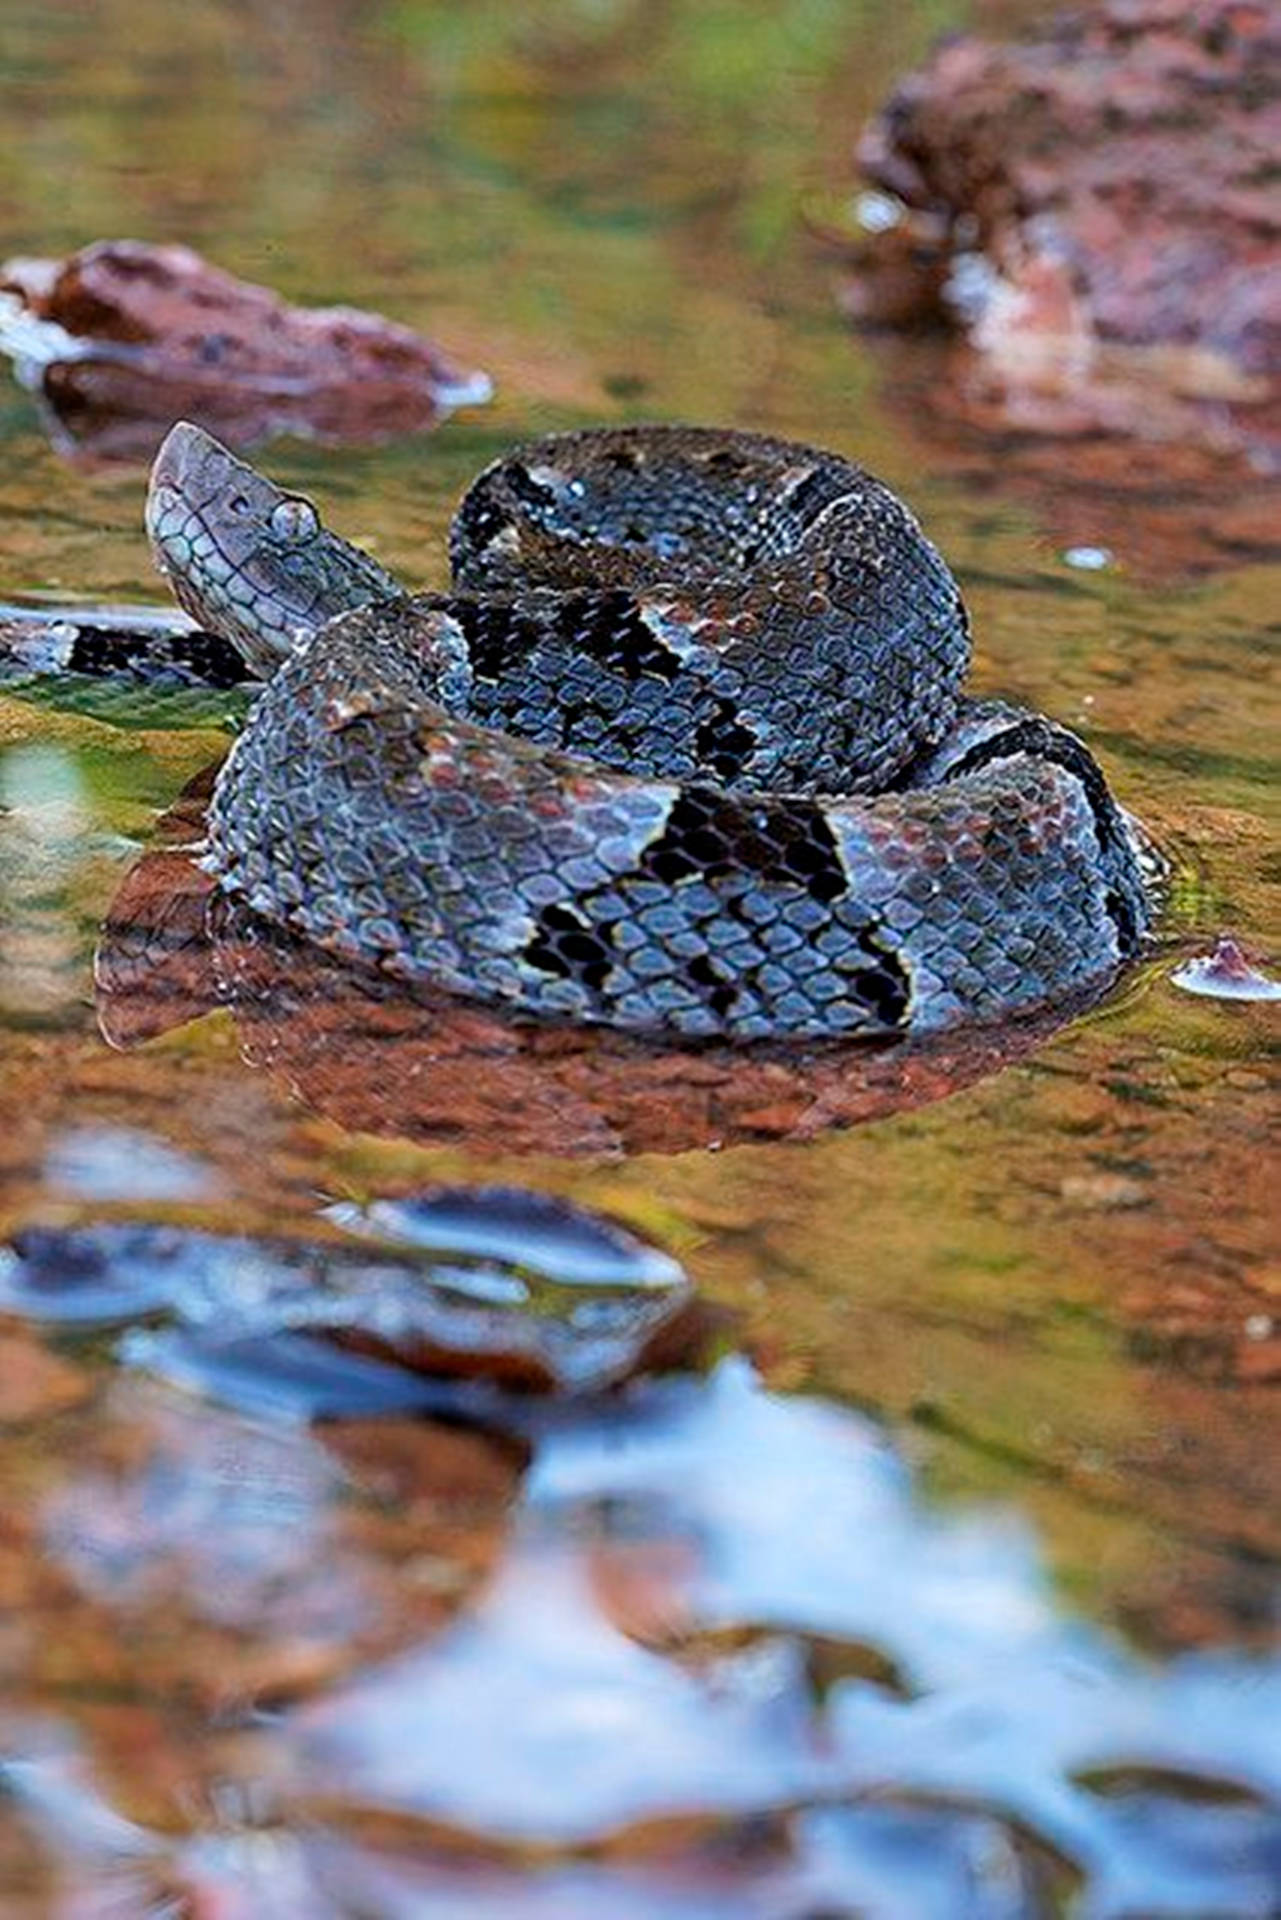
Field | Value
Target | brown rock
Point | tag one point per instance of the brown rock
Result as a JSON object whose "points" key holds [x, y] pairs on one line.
{"points": [[1102, 195], [157, 333]]}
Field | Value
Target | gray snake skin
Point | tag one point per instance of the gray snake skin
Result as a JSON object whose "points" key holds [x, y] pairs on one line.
{"points": [[684, 750]]}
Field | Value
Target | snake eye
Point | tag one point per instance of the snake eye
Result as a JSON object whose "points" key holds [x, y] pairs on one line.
{"points": [[294, 521]]}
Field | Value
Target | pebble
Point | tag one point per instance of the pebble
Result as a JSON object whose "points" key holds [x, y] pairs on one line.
{"points": [[1103, 1192]]}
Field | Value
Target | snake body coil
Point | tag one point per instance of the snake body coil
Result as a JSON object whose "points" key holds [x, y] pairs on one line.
{"points": [[684, 749]]}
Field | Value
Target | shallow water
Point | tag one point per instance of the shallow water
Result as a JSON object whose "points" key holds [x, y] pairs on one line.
{"points": [[940, 1579]]}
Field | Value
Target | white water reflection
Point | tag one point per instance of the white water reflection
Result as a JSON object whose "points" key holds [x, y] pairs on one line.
{"points": [[540, 1716], [713, 1658], [126, 1163]]}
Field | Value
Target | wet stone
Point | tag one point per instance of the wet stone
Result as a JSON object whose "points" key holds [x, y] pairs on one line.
{"points": [[1225, 974], [491, 1286], [158, 333], [1103, 1192]]}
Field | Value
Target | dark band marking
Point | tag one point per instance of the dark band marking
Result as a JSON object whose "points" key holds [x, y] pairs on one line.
{"points": [[1043, 741], [714, 984], [534, 493], [612, 629], [725, 461], [565, 945], [479, 520], [708, 834], [609, 627], [497, 634], [814, 494], [202, 659], [1125, 918], [724, 744], [883, 987]]}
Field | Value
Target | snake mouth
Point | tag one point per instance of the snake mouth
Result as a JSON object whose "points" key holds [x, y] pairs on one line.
{"points": [[172, 456]]}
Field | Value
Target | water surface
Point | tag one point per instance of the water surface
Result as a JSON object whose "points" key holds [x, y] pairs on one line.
{"points": [[942, 1580]]}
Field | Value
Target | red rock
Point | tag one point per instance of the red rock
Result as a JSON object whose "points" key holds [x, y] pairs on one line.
{"points": [[1257, 1361], [1101, 192], [156, 333]]}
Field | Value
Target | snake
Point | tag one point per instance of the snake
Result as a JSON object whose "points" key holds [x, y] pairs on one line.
{"points": [[684, 749]]}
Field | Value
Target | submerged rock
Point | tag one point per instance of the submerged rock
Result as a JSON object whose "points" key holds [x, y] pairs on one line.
{"points": [[123, 337], [34, 1383]]}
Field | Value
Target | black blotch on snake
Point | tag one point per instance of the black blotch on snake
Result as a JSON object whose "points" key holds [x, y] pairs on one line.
{"points": [[564, 945], [790, 842]]}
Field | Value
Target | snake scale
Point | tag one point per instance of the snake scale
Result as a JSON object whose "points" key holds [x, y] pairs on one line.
{"points": [[684, 749]]}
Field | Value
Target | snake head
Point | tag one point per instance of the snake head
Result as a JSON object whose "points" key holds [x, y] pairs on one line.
{"points": [[245, 558]]}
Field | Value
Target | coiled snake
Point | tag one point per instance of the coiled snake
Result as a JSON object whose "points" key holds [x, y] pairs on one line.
{"points": [[684, 749]]}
